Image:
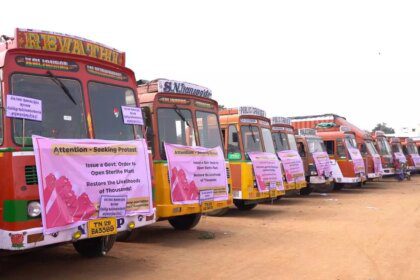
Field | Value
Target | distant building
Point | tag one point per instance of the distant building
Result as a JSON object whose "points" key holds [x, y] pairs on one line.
{"points": [[407, 131]]}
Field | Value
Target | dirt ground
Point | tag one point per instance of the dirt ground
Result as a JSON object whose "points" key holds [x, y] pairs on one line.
{"points": [[368, 233]]}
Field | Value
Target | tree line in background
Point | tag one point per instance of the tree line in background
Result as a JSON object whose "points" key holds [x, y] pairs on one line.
{"points": [[383, 127]]}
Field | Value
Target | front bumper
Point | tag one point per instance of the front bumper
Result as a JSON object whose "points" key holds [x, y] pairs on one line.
{"points": [[373, 175], [34, 237], [388, 171], [317, 180], [172, 210]]}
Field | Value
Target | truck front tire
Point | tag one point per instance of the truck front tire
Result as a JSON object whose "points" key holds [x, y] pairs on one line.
{"points": [[240, 204], [185, 222], [218, 212], [95, 247]]}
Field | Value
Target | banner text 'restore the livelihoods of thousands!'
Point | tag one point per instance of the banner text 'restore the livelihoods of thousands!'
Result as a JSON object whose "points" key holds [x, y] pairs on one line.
{"points": [[322, 164], [267, 171], [196, 172], [85, 179], [356, 157], [293, 166]]}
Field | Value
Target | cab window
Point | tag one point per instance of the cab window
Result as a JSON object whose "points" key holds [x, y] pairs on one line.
{"points": [[301, 149], [268, 140], [280, 141], [329, 145], [105, 102], [233, 141], [363, 149], [208, 129], [341, 149], [175, 127], [63, 114], [251, 138]]}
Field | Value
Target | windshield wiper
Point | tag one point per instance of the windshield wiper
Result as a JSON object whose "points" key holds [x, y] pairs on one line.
{"points": [[62, 86], [252, 133], [179, 113]]}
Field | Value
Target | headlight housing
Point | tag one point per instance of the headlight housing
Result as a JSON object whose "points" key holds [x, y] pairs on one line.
{"points": [[34, 209]]}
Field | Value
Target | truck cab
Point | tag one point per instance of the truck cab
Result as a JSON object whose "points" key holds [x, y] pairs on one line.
{"points": [[284, 141], [340, 146], [184, 114], [245, 130], [309, 145], [372, 158], [411, 153], [384, 149], [82, 86]]}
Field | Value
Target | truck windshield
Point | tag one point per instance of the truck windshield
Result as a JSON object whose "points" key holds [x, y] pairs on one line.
{"points": [[268, 140], [105, 104], [396, 148], [315, 145], [351, 141], [371, 148], [208, 129], [383, 145], [175, 127], [61, 118], [292, 142], [280, 141], [412, 149], [251, 138]]}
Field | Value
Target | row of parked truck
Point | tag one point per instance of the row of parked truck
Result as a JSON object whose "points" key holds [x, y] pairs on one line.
{"points": [[84, 87]]}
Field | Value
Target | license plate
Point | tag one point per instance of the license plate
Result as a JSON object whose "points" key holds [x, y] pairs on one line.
{"points": [[207, 206], [102, 227]]}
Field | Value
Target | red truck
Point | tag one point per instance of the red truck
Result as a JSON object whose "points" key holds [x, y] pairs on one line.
{"points": [[333, 122]]}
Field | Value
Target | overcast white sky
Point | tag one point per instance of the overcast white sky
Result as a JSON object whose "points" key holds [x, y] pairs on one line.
{"points": [[359, 59]]}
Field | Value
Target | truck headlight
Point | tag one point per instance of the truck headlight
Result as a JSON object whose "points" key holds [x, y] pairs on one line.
{"points": [[34, 209]]}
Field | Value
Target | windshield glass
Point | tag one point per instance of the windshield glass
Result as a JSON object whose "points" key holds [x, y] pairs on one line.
{"points": [[383, 145], [175, 127], [105, 104], [315, 145], [292, 142], [280, 141], [396, 148], [251, 138], [61, 118], [350, 141], [371, 148], [268, 140], [412, 149], [208, 129]]}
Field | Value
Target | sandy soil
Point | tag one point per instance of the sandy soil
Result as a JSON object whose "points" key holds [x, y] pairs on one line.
{"points": [[368, 233]]}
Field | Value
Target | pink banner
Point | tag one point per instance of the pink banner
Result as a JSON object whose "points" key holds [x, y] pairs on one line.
{"points": [[400, 157], [267, 171], [416, 160], [293, 166], [196, 172], [322, 163], [73, 176], [377, 164], [356, 157]]}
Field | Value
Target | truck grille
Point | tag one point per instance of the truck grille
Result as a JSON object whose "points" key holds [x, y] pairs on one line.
{"points": [[30, 175]]}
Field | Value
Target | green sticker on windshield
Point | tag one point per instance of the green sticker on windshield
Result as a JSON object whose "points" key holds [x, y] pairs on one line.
{"points": [[234, 156]]}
